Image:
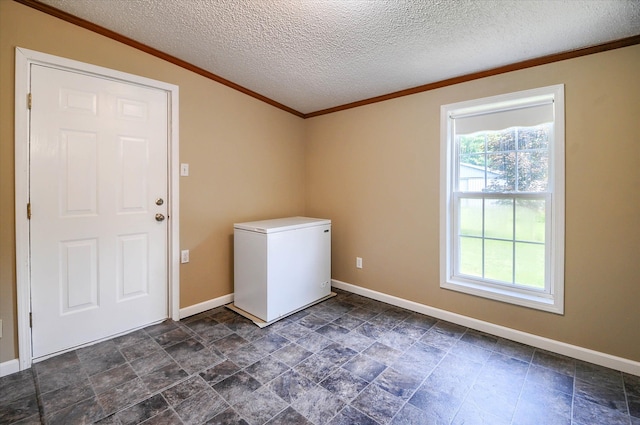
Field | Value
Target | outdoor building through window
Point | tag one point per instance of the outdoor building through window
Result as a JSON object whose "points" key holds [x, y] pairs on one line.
{"points": [[502, 203]]}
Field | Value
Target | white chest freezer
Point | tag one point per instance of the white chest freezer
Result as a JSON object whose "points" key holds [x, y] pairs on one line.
{"points": [[281, 265]]}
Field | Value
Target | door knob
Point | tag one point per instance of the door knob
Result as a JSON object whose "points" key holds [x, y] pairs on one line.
{"points": [[159, 201], [159, 217]]}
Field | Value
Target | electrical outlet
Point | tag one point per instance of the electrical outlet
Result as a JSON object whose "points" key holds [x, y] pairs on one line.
{"points": [[184, 169], [358, 262], [184, 256]]}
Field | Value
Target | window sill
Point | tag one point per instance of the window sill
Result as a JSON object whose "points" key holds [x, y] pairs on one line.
{"points": [[531, 300]]}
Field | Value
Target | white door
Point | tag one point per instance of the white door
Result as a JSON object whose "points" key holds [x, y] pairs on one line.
{"points": [[98, 195]]}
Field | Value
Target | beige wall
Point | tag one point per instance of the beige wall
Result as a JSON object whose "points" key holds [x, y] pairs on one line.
{"points": [[246, 157], [374, 171]]}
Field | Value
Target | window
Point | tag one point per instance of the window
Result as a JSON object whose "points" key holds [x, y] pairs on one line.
{"points": [[502, 198]]}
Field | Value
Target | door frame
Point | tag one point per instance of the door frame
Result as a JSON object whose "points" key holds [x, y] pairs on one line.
{"points": [[24, 59]]}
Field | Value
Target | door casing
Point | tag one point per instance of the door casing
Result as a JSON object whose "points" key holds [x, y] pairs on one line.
{"points": [[24, 59]]}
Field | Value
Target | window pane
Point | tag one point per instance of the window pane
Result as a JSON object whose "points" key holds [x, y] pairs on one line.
{"points": [[471, 173], [498, 218], [534, 137], [472, 143], [471, 217], [501, 141], [501, 172], [530, 265], [498, 260], [530, 220], [533, 170], [470, 256]]}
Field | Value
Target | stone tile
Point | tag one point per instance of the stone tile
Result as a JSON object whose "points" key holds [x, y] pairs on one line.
{"points": [[356, 341], [270, 343], [201, 407], [132, 338], [228, 417], [411, 415], [139, 349], [318, 405], [164, 377], [292, 354], [351, 416], [546, 405], [332, 331], [337, 353], [419, 360], [370, 331], [230, 343], [68, 361], [294, 331], [547, 378], [17, 385], [172, 337], [396, 340], [471, 414], [448, 328], [18, 409], [142, 411], [289, 416], [87, 411], [348, 322], [246, 355], [382, 353], [109, 420], [314, 342], [420, 320], [315, 368], [606, 396], [440, 340], [631, 384], [470, 351], [364, 367], [514, 349], [634, 406], [260, 406], [599, 375], [290, 386], [166, 417], [344, 384], [146, 365], [65, 397], [398, 384], [378, 404], [53, 380], [266, 369], [555, 362], [237, 387], [102, 362], [219, 372], [101, 349], [193, 356], [123, 396], [112, 378], [481, 339], [161, 328], [363, 314], [184, 390]]}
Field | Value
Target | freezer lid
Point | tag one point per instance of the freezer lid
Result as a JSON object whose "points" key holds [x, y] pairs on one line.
{"points": [[281, 224]]}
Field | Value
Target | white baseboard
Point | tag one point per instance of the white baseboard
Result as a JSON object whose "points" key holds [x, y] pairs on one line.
{"points": [[580, 353], [9, 367], [205, 305]]}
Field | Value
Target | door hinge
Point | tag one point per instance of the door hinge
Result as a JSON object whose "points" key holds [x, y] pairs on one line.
{"points": [[29, 211], [29, 101], [31, 320]]}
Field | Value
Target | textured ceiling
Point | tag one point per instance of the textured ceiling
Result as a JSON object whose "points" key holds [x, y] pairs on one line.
{"points": [[312, 55]]}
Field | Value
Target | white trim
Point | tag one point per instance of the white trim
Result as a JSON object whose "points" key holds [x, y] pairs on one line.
{"points": [[205, 305], [9, 367], [577, 352], [553, 299], [24, 59]]}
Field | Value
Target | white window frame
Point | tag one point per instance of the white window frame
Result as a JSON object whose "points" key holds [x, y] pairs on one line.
{"points": [[552, 298]]}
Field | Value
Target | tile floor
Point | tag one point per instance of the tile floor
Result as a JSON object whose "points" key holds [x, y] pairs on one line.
{"points": [[348, 360]]}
